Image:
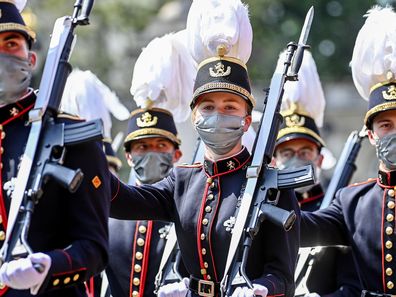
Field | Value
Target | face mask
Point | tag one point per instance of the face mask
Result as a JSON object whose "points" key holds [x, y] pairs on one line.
{"points": [[220, 132], [15, 75], [296, 162], [386, 150], [152, 167]]}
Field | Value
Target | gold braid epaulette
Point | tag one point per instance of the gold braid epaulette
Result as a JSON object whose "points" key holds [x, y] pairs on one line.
{"points": [[186, 165]]}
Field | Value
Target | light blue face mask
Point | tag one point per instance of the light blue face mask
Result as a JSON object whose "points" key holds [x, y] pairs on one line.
{"points": [[15, 75], [152, 167], [220, 132]]}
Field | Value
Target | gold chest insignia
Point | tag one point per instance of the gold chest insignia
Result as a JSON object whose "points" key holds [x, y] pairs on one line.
{"points": [[219, 70], [231, 165], [390, 93], [295, 120], [146, 120], [0, 13]]}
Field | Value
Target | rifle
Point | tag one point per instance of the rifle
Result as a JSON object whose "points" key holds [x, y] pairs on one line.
{"points": [[263, 183], [46, 145], [168, 271], [342, 176]]}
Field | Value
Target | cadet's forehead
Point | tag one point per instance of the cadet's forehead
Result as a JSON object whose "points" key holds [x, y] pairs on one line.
{"points": [[295, 144], [7, 35], [150, 141], [388, 115], [220, 97]]}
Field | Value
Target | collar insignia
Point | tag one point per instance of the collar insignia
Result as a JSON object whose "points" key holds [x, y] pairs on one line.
{"points": [[231, 165], [14, 111], [146, 120], [219, 67], [390, 93]]}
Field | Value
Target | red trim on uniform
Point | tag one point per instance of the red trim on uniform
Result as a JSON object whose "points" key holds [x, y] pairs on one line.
{"points": [[236, 160], [276, 295], [69, 272], [118, 190], [382, 241], [22, 112], [90, 287], [199, 229], [227, 172], [69, 259], [3, 211], [210, 232], [133, 258], [146, 256], [309, 199], [3, 291]]}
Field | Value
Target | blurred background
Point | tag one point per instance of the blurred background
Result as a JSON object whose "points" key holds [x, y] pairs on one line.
{"points": [[119, 30]]}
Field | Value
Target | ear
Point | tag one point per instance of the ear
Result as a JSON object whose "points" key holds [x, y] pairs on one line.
{"points": [[32, 59], [371, 136], [319, 161], [128, 156], [248, 122], [177, 155]]}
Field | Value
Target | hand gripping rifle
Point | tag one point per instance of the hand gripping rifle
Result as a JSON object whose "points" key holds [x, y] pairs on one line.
{"points": [[342, 176], [47, 141], [263, 183]]}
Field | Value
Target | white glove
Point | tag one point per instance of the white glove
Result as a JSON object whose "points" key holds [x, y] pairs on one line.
{"points": [[174, 289], [313, 294], [258, 290], [21, 275]]}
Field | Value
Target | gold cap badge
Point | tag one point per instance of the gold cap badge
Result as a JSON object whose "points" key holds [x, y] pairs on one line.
{"points": [[146, 120]]}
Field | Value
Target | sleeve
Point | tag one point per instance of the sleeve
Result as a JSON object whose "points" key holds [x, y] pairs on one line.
{"points": [[325, 226], [280, 251], [85, 213], [146, 202]]}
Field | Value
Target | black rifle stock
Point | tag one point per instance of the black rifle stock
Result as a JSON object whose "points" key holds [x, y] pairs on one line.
{"points": [[263, 182], [45, 149], [341, 178]]}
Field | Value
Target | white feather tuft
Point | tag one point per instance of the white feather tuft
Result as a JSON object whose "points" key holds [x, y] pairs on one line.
{"points": [[86, 96], [214, 22], [20, 4], [164, 75], [374, 54], [307, 92]]}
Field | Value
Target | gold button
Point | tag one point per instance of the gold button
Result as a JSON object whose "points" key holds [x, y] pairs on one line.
{"points": [[137, 268], [2, 286], [1, 219], [208, 277], [3, 134], [136, 281], [212, 185], [142, 229], [391, 204], [390, 285], [205, 221], [391, 193], [389, 217], [139, 256], [1, 150], [203, 236], [66, 280], [56, 282], [209, 180], [203, 251], [2, 235], [388, 257], [210, 196], [388, 244], [389, 230], [76, 277], [135, 293], [389, 271], [203, 271], [140, 242], [208, 209], [206, 265]]}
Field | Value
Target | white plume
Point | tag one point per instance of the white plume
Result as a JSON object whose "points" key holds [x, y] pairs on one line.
{"points": [[20, 4], [374, 53], [214, 22], [307, 92], [86, 96], [164, 75]]}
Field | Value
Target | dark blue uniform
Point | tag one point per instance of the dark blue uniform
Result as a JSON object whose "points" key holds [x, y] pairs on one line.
{"points": [[70, 228], [362, 216], [201, 200]]}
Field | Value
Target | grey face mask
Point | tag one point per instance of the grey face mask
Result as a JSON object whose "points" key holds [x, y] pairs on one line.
{"points": [[15, 75], [386, 150], [220, 132], [152, 167], [296, 162]]}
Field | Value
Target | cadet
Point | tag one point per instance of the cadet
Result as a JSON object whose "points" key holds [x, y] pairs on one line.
{"points": [[151, 148], [363, 215], [68, 233]]}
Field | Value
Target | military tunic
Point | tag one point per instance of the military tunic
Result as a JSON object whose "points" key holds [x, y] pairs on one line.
{"points": [[201, 201], [70, 228], [362, 216]]}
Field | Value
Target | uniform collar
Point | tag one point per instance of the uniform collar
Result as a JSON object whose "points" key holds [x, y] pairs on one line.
{"points": [[10, 111], [387, 178], [316, 192], [227, 165]]}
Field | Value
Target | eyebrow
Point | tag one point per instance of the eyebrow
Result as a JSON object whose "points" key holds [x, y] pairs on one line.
{"points": [[13, 36]]}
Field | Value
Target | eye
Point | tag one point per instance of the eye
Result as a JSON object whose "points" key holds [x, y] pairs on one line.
{"points": [[287, 154], [306, 154]]}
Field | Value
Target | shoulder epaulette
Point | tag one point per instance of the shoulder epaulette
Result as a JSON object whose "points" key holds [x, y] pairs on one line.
{"points": [[186, 165], [363, 183]]}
